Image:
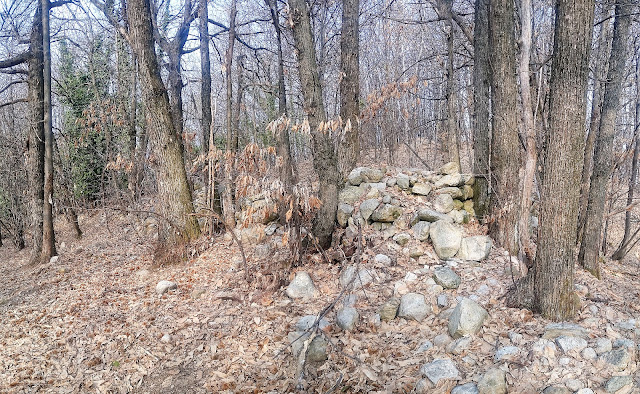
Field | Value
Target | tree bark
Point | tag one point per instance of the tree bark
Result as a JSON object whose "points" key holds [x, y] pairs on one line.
{"points": [[505, 162], [227, 193], [36, 136], [174, 201], [553, 272], [324, 155], [526, 21], [481, 124], [48, 234], [603, 155], [452, 143], [623, 249], [205, 73], [349, 151], [599, 74]]}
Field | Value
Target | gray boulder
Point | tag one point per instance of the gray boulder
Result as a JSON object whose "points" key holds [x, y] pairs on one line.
{"points": [[446, 277], [493, 382], [389, 309], [474, 248], [556, 390], [454, 192], [421, 230], [554, 330], [382, 259], [449, 180], [301, 286], [362, 277], [567, 344], [164, 285], [403, 181], [386, 213], [443, 203], [306, 322], [317, 350], [344, 213], [367, 207], [467, 388], [466, 319], [506, 353], [402, 238], [617, 383], [351, 194], [619, 358], [446, 239], [347, 318], [429, 215], [440, 369], [421, 189], [413, 306], [449, 168]]}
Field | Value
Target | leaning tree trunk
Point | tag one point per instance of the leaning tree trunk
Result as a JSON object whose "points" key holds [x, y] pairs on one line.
{"points": [[603, 156], [505, 158], [48, 234], [36, 136], [174, 201], [349, 150], [481, 124], [552, 274], [324, 155], [623, 249]]}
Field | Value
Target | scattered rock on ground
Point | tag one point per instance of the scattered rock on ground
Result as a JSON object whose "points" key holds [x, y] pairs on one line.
{"points": [[347, 318], [556, 390], [507, 353], [619, 358], [421, 189], [445, 277], [466, 319], [421, 230], [474, 248], [317, 350], [446, 239], [386, 213], [414, 307], [402, 238], [566, 343], [440, 369], [165, 285], [301, 286], [554, 330], [389, 309], [382, 259], [306, 322], [493, 382], [429, 215], [467, 388], [617, 383]]}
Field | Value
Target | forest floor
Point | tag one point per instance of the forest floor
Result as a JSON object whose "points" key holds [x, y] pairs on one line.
{"points": [[92, 322]]}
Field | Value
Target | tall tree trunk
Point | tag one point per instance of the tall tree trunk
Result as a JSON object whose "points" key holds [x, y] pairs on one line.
{"points": [[48, 234], [205, 72], [481, 124], [349, 151], [599, 74], [284, 146], [603, 155], [36, 135], [526, 21], [452, 143], [623, 249], [227, 193], [235, 145], [133, 113], [174, 201], [505, 158], [553, 271], [324, 156]]}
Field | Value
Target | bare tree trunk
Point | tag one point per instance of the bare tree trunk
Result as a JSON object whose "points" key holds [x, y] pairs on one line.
{"points": [[227, 193], [452, 144], [205, 72], [526, 21], [505, 161], [623, 249], [349, 151], [481, 100], [599, 74], [238, 104], [133, 112], [553, 273], [174, 201], [36, 136], [48, 234], [324, 155], [284, 146], [603, 155]]}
